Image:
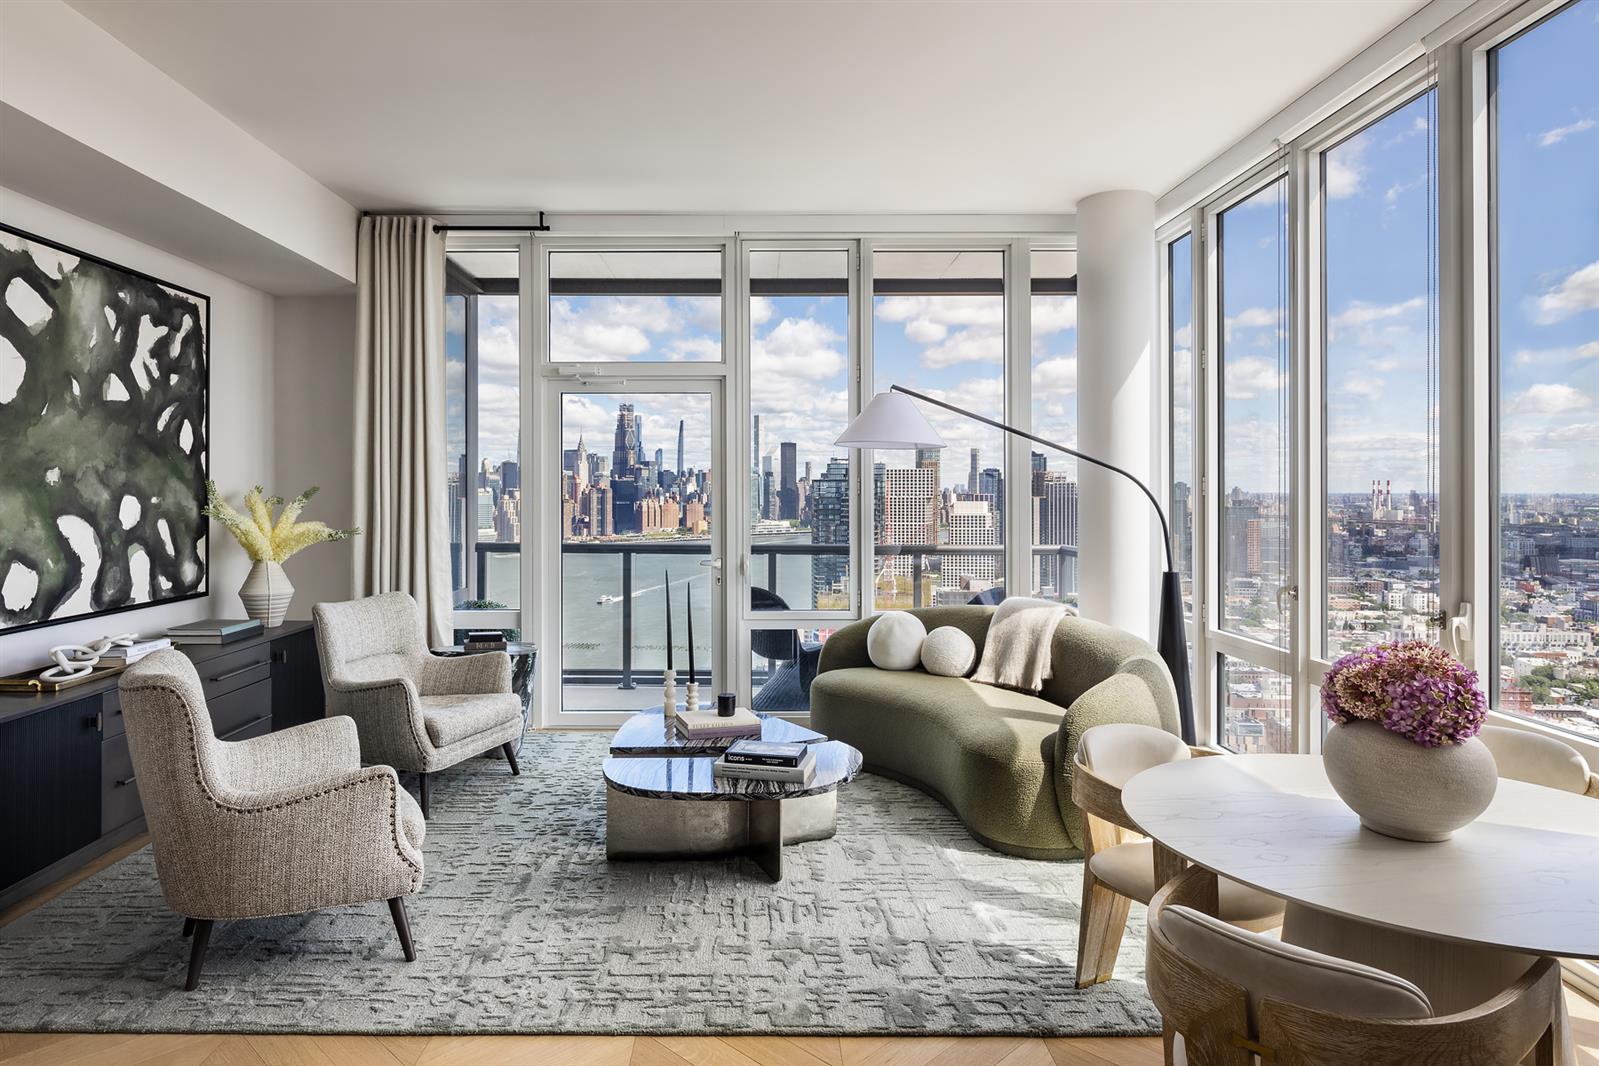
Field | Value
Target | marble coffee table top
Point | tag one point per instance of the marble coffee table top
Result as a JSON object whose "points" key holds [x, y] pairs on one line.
{"points": [[648, 733], [691, 777]]}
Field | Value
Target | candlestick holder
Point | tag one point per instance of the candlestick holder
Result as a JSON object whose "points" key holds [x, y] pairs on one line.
{"points": [[669, 694], [691, 696]]}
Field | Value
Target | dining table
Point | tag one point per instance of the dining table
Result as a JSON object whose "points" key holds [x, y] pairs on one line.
{"points": [[1462, 918]]}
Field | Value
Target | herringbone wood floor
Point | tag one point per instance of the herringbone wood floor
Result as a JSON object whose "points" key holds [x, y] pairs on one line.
{"points": [[123, 1049]]}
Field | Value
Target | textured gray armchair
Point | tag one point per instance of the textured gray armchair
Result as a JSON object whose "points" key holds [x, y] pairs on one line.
{"points": [[414, 710], [279, 824]]}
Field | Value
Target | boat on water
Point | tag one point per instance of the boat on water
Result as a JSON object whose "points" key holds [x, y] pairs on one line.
{"points": [[603, 600]]}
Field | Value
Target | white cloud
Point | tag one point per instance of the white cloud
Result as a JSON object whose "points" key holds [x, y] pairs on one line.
{"points": [[1361, 313], [1549, 138], [1531, 356], [1551, 399], [945, 310], [761, 310], [1053, 314], [1346, 168], [1252, 318], [926, 331], [1053, 378], [1365, 388], [1249, 376], [1578, 292], [967, 346]]}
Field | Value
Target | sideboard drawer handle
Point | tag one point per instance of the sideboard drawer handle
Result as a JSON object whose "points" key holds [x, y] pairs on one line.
{"points": [[236, 673], [127, 781]]}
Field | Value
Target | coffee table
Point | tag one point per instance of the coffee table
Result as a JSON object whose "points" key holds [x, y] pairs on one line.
{"points": [[648, 733], [674, 807]]}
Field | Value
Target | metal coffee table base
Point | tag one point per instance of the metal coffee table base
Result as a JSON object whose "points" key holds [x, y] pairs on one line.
{"points": [[641, 827]]}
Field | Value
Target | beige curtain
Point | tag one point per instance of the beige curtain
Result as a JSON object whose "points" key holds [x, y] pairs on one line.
{"points": [[399, 417]]}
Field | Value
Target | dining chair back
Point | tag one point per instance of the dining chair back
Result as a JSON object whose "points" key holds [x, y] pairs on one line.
{"points": [[1119, 869], [1536, 759], [1228, 997]]}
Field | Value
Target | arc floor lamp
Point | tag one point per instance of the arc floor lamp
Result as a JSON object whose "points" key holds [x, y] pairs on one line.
{"points": [[892, 421]]}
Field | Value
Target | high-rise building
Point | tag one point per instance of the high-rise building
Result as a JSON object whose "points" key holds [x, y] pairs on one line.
{"points": [[971, 525], [909, 512], [830, 525], [991, 484], [971, 477], [768, 503], [755, 446], [788, 486], [510, 476], [625, 451], [1057, 526], [678, 469]]}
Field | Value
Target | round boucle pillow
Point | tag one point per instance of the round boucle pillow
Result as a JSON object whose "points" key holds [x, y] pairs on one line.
{"points": [[948, 652], [895, 641]]}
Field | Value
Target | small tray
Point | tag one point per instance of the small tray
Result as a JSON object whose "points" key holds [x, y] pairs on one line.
{"points": [[29, 682]]}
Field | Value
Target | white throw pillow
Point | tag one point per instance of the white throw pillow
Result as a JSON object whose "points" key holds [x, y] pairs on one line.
{"points": [[948, 652], [895, 641]]}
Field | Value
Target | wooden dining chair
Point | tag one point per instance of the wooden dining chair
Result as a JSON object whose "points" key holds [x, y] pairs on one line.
{"points": [[1119, 869], [1229, 997]]}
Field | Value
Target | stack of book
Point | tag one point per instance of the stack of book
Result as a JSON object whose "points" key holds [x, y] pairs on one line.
{"points": [[760, 760], [708, 725], [484, 640], [214, 630], [131, 654]]}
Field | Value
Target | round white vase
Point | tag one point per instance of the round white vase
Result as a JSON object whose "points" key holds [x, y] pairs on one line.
{"points": [[266, 593], [1401, 789]]}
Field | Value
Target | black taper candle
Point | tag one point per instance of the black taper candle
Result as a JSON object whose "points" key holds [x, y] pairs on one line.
{"points": [[668, 619]]}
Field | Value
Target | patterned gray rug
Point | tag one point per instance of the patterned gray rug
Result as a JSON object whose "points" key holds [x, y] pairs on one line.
{"points": [[899, 924]]}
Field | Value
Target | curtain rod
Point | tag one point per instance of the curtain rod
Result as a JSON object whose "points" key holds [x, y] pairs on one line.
{"points": [[540, 228]]}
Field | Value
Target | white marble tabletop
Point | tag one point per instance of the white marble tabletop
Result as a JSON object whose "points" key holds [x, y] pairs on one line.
{"points": [[1522, 877]]}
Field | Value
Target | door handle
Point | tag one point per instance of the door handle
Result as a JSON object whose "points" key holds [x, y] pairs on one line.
{"points": [[714, 564], [1291, 591]]}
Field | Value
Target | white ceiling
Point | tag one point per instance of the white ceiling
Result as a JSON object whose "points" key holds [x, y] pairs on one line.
{"points": [[691, 106]]}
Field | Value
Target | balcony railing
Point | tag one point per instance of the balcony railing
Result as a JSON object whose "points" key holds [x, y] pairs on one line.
{"points": [[920, 557]]}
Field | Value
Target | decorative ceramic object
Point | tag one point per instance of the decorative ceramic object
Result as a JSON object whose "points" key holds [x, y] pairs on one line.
{"points": [[691, 696], [79, 660], [894, 642], [1401, 789], [1403, 749], [669, 693], [948, 652], [268, 541], [266, 593]]}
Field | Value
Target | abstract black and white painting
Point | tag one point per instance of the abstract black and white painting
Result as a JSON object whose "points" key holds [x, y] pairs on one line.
{"points": [[104, 379]]}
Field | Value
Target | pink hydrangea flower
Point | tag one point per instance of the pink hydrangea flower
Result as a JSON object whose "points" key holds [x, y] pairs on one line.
{"points": [[1412, 688]]}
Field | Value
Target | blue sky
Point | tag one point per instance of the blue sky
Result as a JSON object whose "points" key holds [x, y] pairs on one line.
{"points": [[1377, 206]]}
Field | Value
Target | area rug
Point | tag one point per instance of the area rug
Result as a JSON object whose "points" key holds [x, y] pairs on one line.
{"points": [[900, 924]]}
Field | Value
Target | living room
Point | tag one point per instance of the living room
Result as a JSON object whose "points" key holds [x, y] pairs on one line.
{"points": [[391, 670]]}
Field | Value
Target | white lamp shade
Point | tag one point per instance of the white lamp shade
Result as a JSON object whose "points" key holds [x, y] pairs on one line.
{"points": [[891, 420]]}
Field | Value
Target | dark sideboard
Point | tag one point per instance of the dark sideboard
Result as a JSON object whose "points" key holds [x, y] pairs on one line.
{"points": [[68, 792]]}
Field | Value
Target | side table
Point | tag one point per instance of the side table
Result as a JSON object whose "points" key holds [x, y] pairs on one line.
{"points": [[522, 656]]}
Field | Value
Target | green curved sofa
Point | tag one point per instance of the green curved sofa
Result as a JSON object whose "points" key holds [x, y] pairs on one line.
{"points": [[1000, 760]]}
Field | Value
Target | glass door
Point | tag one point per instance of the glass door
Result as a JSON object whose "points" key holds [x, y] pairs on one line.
{"points": [[639, 538]]}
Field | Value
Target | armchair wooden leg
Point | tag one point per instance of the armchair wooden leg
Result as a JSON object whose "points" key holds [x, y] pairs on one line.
{"points": [[424, 778], [402, 926], [1102, 921], [188, 928], [202, 940], [510, 757]]}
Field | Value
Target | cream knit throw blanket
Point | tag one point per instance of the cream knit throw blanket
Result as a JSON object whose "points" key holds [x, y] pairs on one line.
{"points": [[1016, 653]]}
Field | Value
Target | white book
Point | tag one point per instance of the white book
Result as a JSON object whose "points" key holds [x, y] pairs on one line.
{"points": [[138, 649], [788, 775], [743, 722]]}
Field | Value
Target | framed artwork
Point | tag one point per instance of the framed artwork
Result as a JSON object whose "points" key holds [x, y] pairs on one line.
{"points": [[104, 398]]}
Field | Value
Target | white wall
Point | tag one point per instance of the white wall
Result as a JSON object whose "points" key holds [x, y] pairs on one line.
{"points": [[314, 403], [241, 417]]}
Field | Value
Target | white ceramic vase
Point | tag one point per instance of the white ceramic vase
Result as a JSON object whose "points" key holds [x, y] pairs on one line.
{"points": [[1401, 789], [266, 593]]}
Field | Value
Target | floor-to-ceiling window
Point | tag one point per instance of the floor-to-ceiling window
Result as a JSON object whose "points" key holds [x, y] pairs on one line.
{"points": [[483, 426], [1253, 519], [1052, 476], [802, 487], [939, 516], [1544, 237], [1380, 351], [1181, 368]]}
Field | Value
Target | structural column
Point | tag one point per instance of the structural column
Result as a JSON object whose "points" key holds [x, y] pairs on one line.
{"points": [[1117, 286]]}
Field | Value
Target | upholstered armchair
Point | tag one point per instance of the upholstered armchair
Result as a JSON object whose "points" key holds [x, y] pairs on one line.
{"points": [[413, 710], [283, 823]]}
